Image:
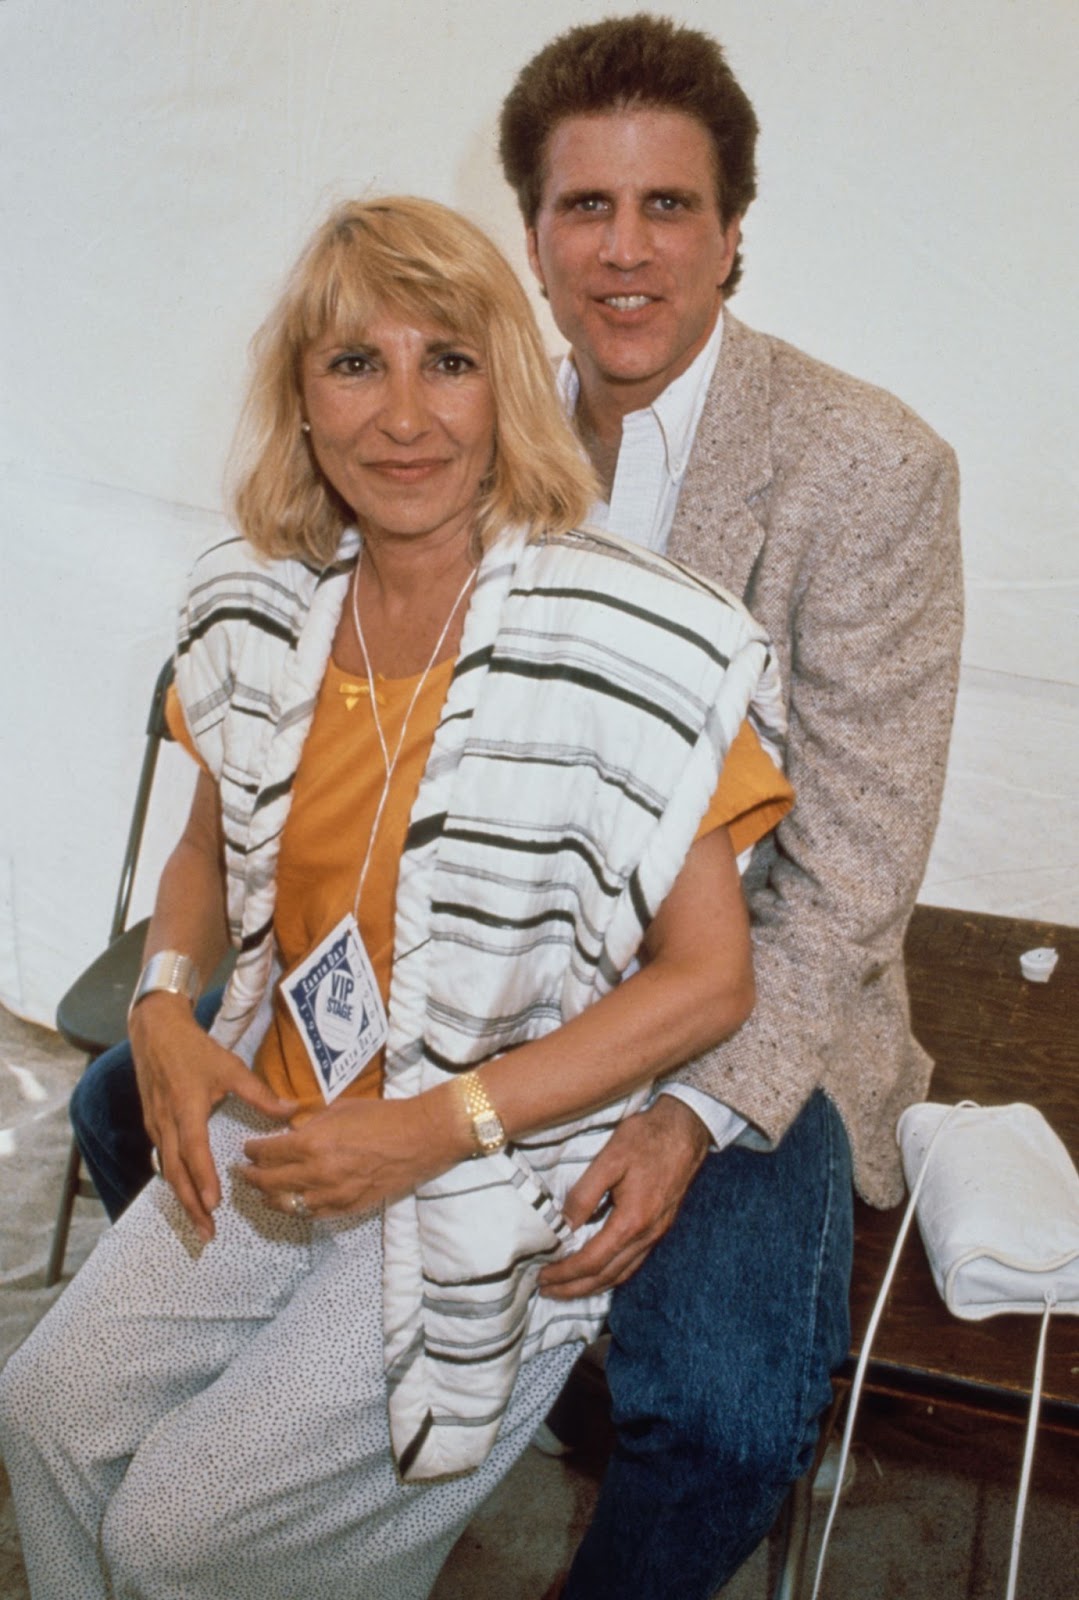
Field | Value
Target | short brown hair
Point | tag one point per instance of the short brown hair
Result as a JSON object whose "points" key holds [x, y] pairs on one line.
{"points": [[624, 62], [426, 263]]}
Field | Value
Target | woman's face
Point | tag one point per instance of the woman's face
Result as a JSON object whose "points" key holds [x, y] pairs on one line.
{"points": [[403, 426]]}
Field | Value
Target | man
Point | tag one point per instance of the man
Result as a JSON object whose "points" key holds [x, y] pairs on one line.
{"points": [[833, 511]]}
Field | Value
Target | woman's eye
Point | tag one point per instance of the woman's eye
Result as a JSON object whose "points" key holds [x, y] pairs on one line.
{"points": [[454, 363], [351, 365]]}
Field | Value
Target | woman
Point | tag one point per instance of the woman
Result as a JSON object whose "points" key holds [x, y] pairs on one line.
{"points": [[455, 757]]}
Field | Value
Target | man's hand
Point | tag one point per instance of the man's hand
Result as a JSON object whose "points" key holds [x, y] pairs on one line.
{"points": [[646, 1167], [182, 1075]]}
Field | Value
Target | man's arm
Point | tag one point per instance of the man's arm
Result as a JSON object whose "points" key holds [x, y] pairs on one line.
{"points": [[874, 668], [875, 634]]}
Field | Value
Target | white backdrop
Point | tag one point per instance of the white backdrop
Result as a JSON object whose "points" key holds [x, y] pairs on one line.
{"points": [[162, 162]]}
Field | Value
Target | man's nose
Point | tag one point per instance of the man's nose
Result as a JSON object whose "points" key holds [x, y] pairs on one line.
{"points": [[627, 241]]}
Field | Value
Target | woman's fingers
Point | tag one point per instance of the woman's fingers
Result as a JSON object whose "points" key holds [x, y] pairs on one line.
{"points": [[188, 1186], [274, 1150], [253, 1092], [282, 1185], [183, 1075]]}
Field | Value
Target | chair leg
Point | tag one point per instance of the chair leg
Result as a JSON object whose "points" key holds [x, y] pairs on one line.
{"points": [[794, 1539], [794, 1519], [68, 1195]]}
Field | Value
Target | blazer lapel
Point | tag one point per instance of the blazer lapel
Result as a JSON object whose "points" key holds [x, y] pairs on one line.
{"points": [[715, 530]]}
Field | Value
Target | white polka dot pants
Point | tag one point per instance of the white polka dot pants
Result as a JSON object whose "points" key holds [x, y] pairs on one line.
{"points": [[195, 1423]]}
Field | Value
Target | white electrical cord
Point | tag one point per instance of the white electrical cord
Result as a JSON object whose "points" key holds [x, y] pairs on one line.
{"points": [[863, 1363]]}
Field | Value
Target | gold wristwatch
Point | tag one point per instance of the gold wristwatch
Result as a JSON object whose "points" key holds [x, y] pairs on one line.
{"points": [[487, 1130]]}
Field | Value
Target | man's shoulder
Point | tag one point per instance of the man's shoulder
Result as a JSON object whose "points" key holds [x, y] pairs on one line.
{"points": [[806, 404]]}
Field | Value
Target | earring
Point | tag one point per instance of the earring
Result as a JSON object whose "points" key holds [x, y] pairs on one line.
{"points": [[305, 427]]}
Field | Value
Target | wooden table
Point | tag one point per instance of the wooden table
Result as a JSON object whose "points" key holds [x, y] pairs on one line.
{"points": [[995, 1038]]}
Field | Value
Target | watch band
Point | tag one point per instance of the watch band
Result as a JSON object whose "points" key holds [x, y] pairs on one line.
{"points": [[487, 1129], [170, 970]]}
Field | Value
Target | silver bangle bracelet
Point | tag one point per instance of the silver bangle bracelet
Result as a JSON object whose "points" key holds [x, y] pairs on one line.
{"points": [[171, 971]]}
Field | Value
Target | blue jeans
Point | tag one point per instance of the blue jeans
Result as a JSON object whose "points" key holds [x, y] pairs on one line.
{"points": [[106, 1114], [721, 1351]]}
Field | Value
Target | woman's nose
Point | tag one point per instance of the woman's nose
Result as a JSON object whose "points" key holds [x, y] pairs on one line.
{"points": [[404, 414]]}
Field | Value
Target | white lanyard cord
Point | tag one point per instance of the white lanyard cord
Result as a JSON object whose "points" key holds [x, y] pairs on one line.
{"points": [[391, 765]]}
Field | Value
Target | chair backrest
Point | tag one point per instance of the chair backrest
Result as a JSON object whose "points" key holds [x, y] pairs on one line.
{"points": [[156, 730]]}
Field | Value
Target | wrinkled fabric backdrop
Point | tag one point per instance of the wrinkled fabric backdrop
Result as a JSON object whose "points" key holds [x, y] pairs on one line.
{"points": [[162, 163]]}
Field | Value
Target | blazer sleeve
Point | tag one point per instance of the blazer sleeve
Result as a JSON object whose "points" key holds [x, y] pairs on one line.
{"points": [[875, 627]]}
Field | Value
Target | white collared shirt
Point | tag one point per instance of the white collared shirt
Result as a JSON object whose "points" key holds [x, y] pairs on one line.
{"points": [[655, 450], [652, 461]]}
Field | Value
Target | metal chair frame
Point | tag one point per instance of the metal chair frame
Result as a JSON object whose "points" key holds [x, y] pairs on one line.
{"points": [[96, 1004]]}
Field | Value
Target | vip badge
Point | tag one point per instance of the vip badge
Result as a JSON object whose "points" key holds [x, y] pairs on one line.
{"points": [[335, 1003]]}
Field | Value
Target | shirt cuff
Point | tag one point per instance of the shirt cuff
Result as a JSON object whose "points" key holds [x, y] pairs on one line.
{"points": [[722, 1123]]}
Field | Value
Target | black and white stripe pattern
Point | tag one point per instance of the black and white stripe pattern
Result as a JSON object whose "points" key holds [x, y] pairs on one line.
{"points": [[596, 693]]}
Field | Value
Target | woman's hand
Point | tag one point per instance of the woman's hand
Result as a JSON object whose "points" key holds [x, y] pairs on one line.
{"points": [[182, 1075], [358, 1153]]}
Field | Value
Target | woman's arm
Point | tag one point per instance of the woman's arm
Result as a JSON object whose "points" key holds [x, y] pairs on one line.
{"points": [[182, 1074], [694, 988], [696, 983]]}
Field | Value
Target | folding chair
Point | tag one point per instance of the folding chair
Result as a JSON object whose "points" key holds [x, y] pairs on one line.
{"points": [[93, 1013]]}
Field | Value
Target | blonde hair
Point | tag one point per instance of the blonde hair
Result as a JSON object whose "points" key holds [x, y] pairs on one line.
{"points": [[424, 262]]}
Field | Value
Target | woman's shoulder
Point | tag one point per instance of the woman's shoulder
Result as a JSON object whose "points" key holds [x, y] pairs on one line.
{"points": [[231, 581], [592, 559], [233, 564]]}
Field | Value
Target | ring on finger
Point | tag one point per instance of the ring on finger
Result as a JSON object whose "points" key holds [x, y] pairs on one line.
{"points": [[155, 1160], [298, 1205]]}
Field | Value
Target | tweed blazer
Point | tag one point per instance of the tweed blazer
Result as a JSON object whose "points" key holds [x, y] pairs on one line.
{"points": [[832, 510]]}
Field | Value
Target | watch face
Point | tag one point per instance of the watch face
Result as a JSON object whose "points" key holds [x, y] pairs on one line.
{"points": [[489, 1130]]}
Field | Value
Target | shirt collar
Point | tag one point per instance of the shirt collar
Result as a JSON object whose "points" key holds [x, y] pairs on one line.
{"points": [[677, 409]]}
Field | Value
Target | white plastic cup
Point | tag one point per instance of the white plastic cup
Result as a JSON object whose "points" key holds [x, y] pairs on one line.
{"points": [[1037, 965]]}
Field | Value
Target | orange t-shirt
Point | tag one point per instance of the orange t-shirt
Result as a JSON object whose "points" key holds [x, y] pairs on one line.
{"points": [[335, 798]]}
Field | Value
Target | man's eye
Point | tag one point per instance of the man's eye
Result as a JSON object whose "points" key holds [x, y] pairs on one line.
{"points": [[591, 203], [668, 202]]}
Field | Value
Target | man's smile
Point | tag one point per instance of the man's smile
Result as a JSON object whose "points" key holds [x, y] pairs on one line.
{"points": [[628, 302]]}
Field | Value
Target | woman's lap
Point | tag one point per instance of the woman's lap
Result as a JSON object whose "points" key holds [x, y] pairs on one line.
{"points": [[228, 1406]]}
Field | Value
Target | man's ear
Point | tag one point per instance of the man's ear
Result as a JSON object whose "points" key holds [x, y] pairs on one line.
{"points": [[732, 238]]}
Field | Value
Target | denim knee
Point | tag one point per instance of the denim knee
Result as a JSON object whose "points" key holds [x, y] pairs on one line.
{"points": [[723, 1342], [723, 1434]]}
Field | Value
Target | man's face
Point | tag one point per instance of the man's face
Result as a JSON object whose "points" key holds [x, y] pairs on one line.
{"points": [[629, 246]]}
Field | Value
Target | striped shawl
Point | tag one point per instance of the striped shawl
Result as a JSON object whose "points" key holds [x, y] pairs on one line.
{"points": [[597, 690]]}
